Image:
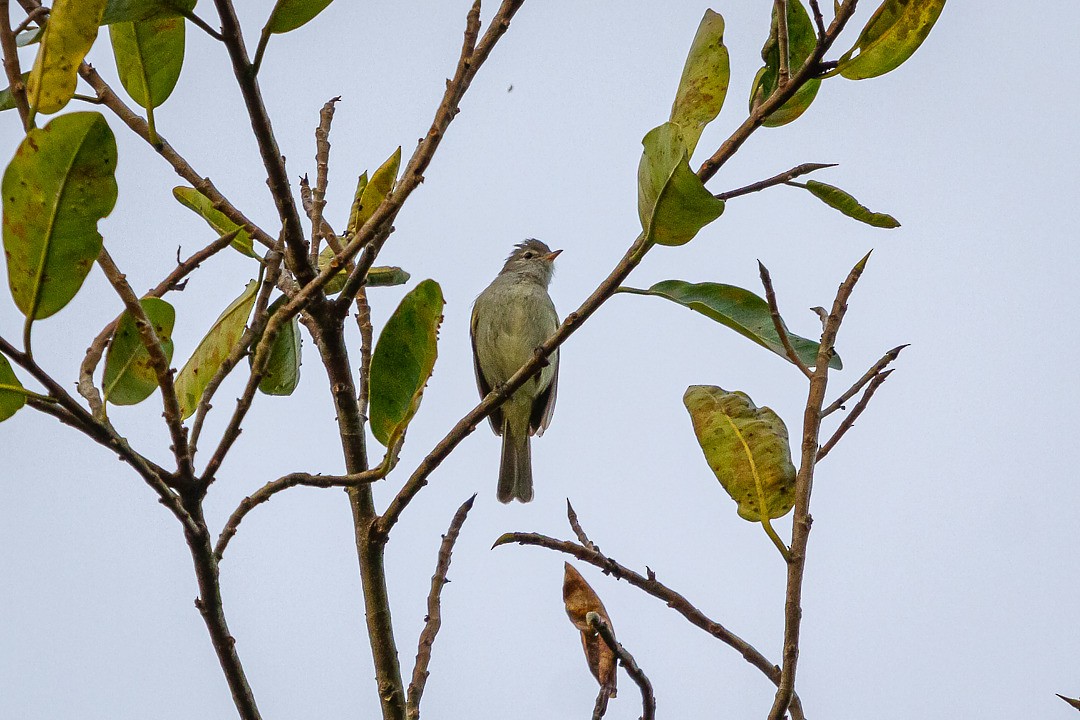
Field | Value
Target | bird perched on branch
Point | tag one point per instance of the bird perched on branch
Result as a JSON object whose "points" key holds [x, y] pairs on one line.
{"points": [[511, 318]]}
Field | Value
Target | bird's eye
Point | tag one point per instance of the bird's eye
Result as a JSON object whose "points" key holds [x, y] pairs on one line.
{"points": [[529, 255]]}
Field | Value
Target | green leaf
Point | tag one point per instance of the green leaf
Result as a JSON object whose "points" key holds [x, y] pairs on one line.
{"points": [[283, 364], [69, 34], [802, 38], [378, 276], [195, 200], [29, 37], [673, 204], [741, 310], [57, 187], [117, 11], [747, 448], [704, 81], [219, 342], [7, 100], [386, 276], [836, 198], [375, 191], [129, 377], [892, 35], [288, 15], [149, 56], [403, 360], [12, 397]]}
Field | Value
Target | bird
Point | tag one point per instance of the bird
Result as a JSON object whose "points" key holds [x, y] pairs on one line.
{"points": [[512, 317]]}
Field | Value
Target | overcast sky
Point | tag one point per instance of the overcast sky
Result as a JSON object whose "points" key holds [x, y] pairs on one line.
{"points": [[942, 570]]}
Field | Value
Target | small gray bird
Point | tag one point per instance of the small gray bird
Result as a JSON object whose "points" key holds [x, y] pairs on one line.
{"points": [[510, 319]]}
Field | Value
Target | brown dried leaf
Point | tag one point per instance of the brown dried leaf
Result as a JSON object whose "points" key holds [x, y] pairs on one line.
{"points": [[580, 599]]}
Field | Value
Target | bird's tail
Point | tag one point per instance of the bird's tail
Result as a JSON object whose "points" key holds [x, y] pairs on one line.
{"points": [[515, 470]]}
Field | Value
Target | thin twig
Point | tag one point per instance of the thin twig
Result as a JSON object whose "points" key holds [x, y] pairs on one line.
{"points": [[433, 621], [203, 184], [783, 93], [255, 333], [867, 377], [11, 65], [34, 16], [658, 590], [819, 21], [363, 324], [71, 413], [780, 8], [276, 176], [774, 180], [199, 23], [172, 281], [602, 698], [270, 489], [322, 167], [158, 361], [241, 349], [778, 323], [575, 525], [648, 700], [804, 481], [852, 416]]}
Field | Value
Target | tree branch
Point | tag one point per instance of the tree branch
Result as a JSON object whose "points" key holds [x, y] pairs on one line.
{"points": [[138, 125], [322, 167], [780, 8], [783, 93], [804, 480], [11, 65], [172, 281], [433, 621], [648, 700], [71, 413], [658, 590], [276, 177], [867, 377], [159, 363], [852, 416], [270, 489], [774, 180]]}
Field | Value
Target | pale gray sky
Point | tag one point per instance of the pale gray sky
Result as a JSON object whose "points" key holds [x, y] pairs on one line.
{"points": [[942, 569]]}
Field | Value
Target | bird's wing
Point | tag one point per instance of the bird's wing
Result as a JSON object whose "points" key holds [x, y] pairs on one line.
{"points": [[544, 405], [482, 384]]}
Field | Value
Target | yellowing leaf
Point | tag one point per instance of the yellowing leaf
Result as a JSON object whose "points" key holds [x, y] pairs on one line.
{"points": [[747, 448], [580, 599], [71, 31], [373, 192], [195, 200], [56, 188], [704, 81], [212, 351], [129, 377], [403, 361], [673, 204], [892, 35]]}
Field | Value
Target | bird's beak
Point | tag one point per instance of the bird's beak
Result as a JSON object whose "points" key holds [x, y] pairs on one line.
{"points": [[550, 257]]}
